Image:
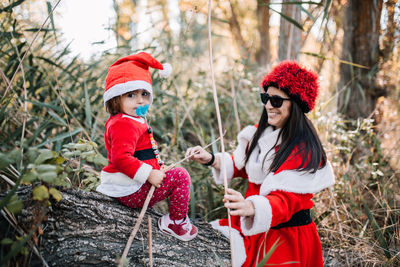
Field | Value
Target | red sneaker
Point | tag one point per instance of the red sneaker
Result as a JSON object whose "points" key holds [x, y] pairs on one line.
{"points": [[182, 229]]}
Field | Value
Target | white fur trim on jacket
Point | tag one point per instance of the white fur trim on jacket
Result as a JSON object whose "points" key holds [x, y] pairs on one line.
{"points": [[256, 167], [244, 138], [299, 182], [218, 174], [139, 119], [261, 222], [238, 245], [122, 88], [119, 185], [143, 173]]}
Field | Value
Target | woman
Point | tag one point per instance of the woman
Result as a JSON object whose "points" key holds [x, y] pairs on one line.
{"points": [[285, 164]]}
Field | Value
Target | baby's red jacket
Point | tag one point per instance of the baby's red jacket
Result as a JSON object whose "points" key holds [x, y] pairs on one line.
{"points": [[124, 136]]}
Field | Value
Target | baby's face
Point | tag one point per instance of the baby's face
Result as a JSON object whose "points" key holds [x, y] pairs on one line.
{"points": [[132, 100]]}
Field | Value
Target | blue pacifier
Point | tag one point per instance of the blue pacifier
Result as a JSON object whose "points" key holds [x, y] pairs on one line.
{"points": [[142, 110]]}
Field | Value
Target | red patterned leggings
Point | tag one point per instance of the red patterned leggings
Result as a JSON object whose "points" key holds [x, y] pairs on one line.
{"points": [[176, 186]]}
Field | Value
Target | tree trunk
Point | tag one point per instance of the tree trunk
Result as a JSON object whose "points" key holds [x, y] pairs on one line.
{"points": [[389, 38], [358, 90], [263, 55], [289, 34], [236, 31], [127, 18], [85, 229]]}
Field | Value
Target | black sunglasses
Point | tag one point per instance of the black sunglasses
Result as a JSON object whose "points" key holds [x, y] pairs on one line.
{"points": [[276, 101]]}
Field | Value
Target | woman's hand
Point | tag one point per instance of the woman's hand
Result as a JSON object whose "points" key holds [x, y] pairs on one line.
{"points": [[237, 204], [156, 177], [198, 154]]}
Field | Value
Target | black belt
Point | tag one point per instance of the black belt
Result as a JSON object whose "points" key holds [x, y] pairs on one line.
{"points": [[145, 154], [300, 218]]}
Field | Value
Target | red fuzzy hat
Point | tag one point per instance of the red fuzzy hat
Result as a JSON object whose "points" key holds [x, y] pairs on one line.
{"points": [[132, 73], [297, 82]]}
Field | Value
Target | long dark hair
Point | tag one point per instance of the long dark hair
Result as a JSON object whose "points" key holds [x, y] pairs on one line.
{"points": [[297, 131]]}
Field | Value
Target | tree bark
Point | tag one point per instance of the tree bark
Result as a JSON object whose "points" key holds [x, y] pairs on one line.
{"points": [[126, 20], [87, 228], [289, 34], [263, 55], [358, 91], [236, 31], [391, 25]]}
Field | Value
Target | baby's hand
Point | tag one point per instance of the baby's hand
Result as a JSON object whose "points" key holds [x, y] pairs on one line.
{"points": [[156, 177]]}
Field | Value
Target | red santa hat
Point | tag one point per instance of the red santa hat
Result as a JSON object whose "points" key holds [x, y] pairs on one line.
{"points": [[132, 73], [297, 82]]}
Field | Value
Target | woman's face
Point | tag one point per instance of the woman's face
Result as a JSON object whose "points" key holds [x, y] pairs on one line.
{"points": [[277, 117]]}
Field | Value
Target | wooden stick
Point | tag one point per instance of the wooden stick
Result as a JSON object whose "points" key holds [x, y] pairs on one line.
{"points": [[182, 160], [234, 100], [136, 228], [144, 209], [8, 180], [150, 241], [215, 96]]}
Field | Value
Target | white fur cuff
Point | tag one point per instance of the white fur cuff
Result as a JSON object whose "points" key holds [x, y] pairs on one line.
{"points": [[143, 173], [219, 174], [261, 222]]}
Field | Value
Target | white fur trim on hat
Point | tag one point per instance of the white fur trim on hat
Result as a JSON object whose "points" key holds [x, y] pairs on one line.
{"points": [[261, 222], [122, 88], [166, 71]]}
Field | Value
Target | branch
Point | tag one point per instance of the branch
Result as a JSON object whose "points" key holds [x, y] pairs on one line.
{"points": [[215, 96]]}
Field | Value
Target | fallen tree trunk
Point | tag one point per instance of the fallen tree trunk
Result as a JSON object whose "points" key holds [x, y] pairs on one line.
{"points": [[87, 228]]}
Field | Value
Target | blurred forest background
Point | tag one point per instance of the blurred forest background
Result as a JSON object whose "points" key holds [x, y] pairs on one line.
{"points": [[52, 115]]}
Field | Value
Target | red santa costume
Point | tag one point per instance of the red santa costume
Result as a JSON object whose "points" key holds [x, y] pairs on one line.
{"points": [[128, 140], [133, 154], [282, 199]]}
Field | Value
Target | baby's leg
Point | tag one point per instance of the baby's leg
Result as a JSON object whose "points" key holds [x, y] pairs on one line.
{"points": [[176, 184], [137, 199], [176, 223]]}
